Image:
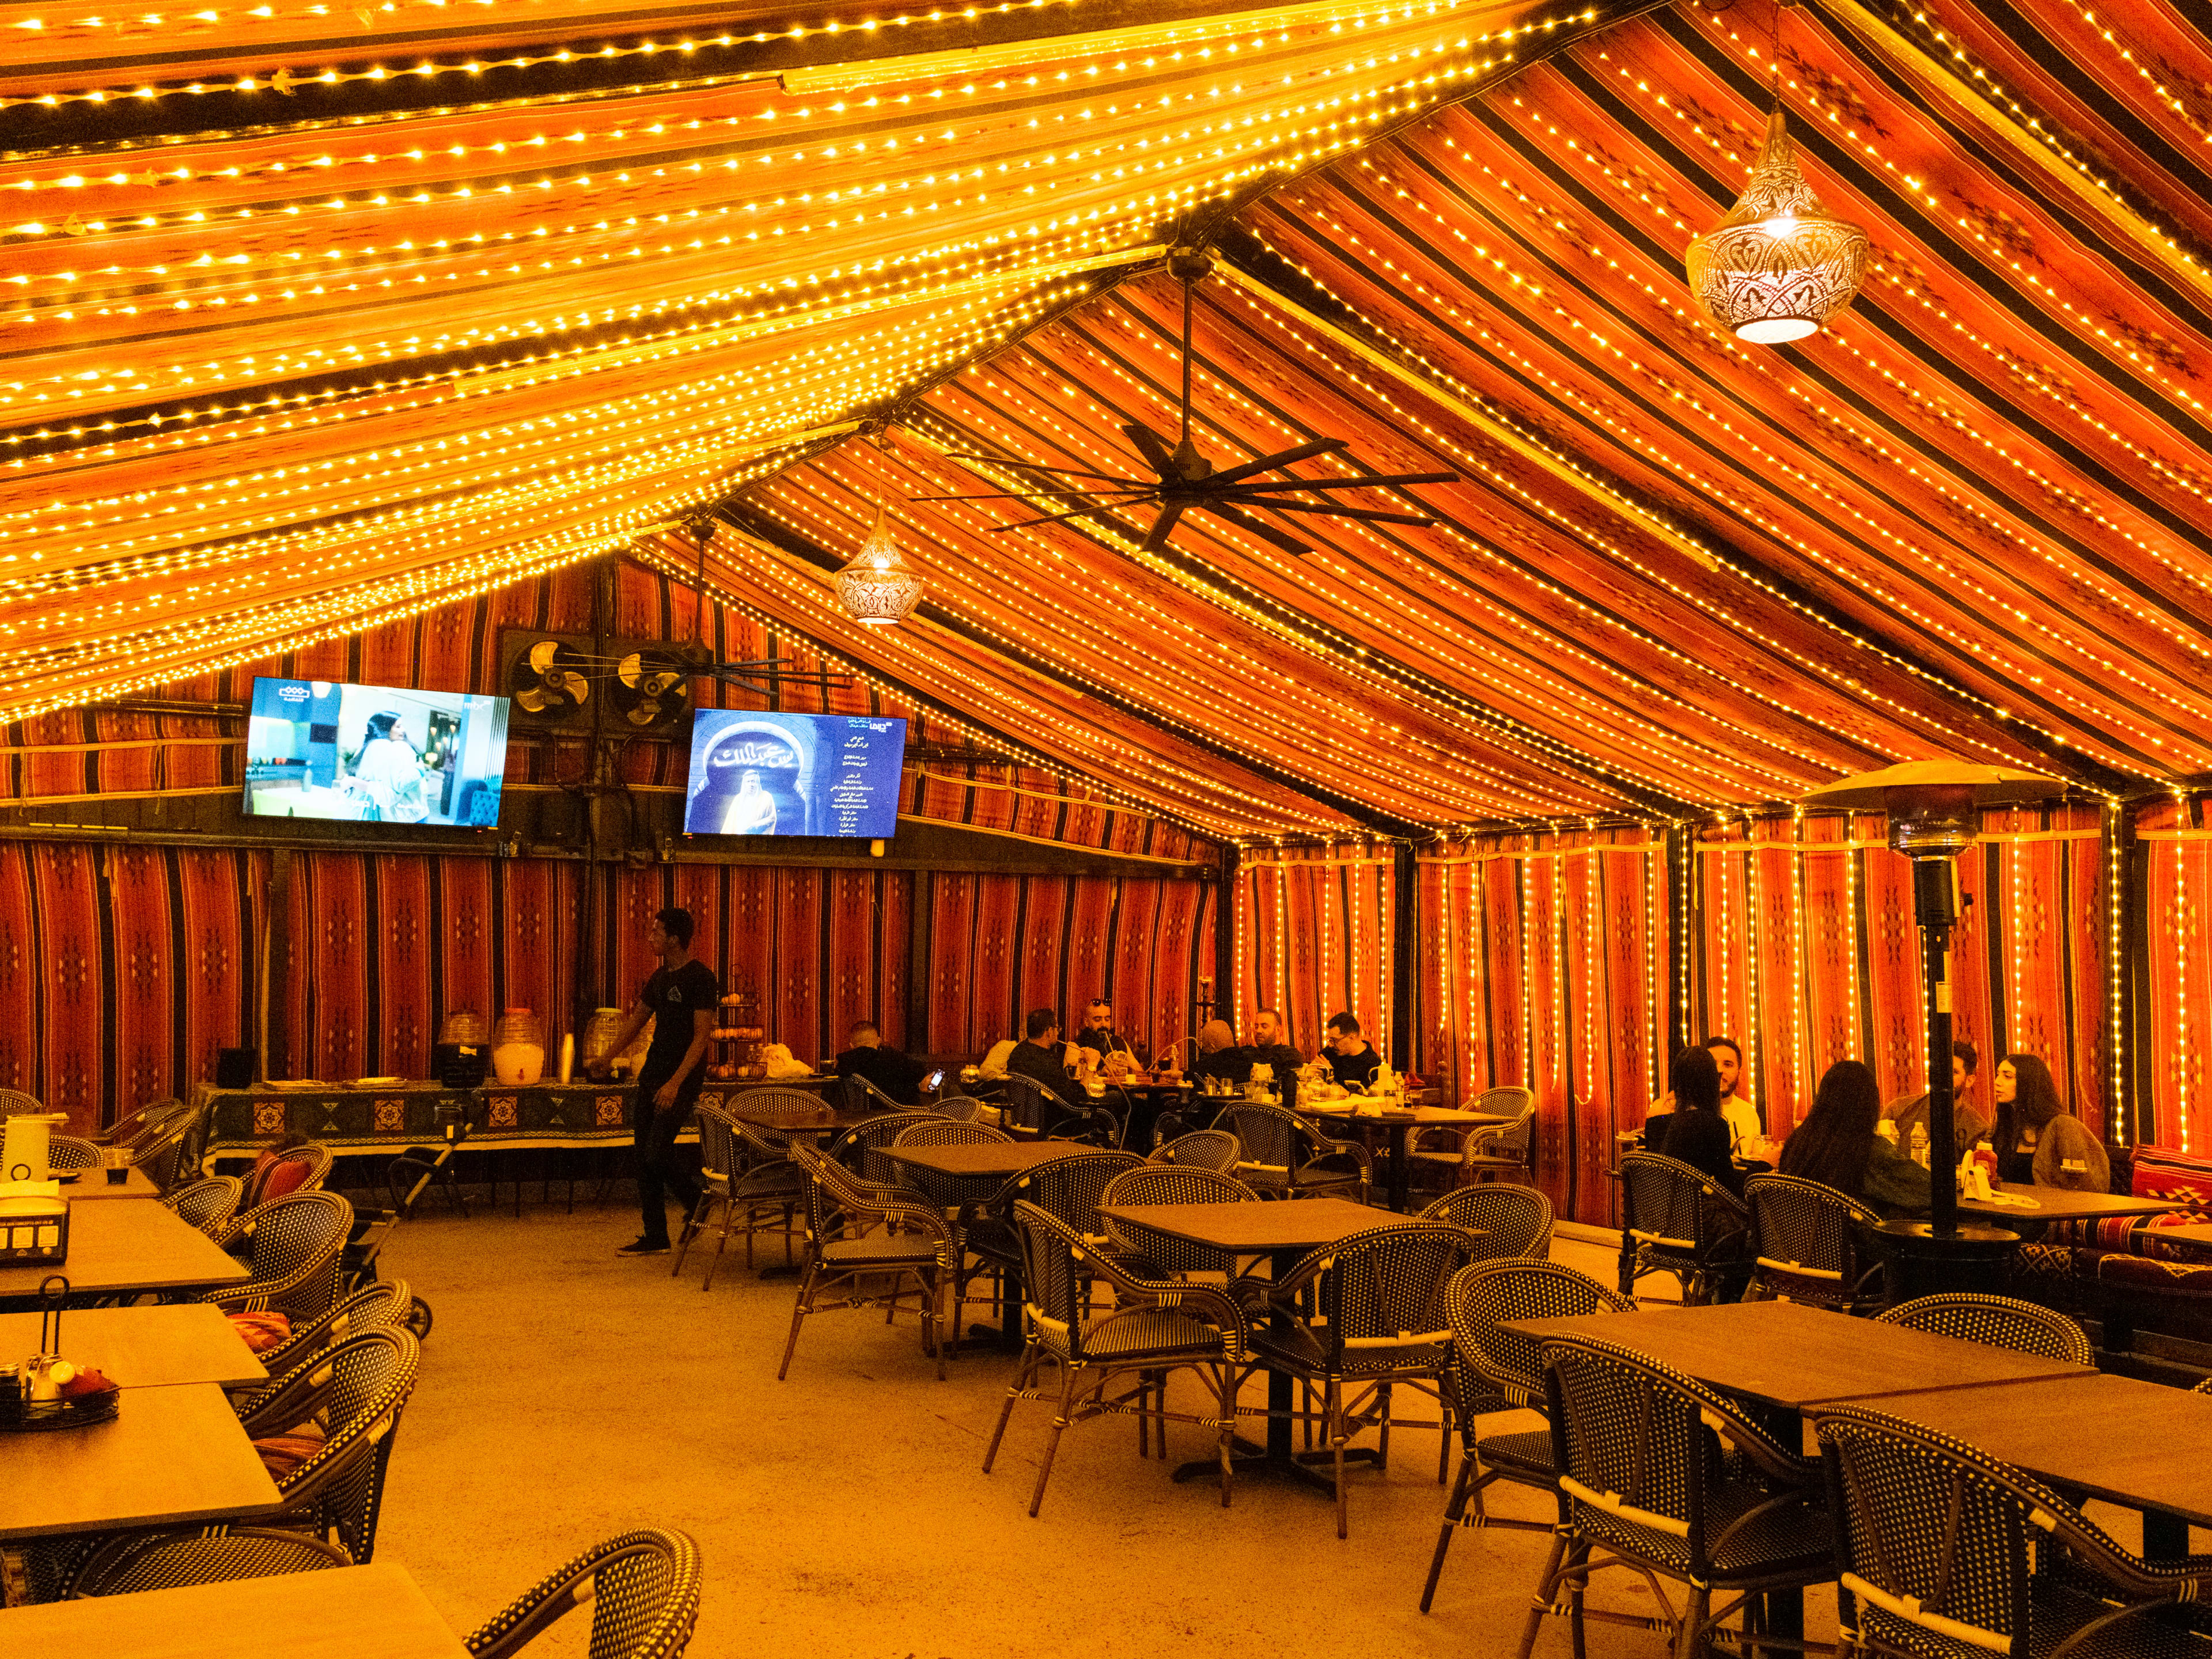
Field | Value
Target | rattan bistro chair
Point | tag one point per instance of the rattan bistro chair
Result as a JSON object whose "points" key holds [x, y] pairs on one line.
{"points": [[1369, 1316], [1202, 1149], [1995, 1321], [950, 1131], [170, 1154], [860, 1149], [1677, 1219], [1151, 1255], [69, 1152], [856, 1232], [207, 1205], [1069, 1187], [297, 1242], [1936, 1551], [768, 1104], [380, 1304], [643, 1589], [1286, 1157], [1663, 1476], [355, 1391], [1514, 1221], [1155, 1326], [173, 1560], [1495, 1370], [749, 1180], [135, 1128], [316, 1160], [1806, 1245]]}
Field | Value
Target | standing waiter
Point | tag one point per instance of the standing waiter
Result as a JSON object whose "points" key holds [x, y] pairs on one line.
{"points": [[680, 999]]}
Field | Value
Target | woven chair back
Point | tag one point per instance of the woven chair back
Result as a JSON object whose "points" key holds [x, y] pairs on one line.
{"points": [[207, 1204], [1507, 1100], [1171, 1183], [1667, 1204], [142, 1126], [718, 1141], [1382, 1292], [1481, 1298], [1275, 1143], [950, 1132], [1069, 1188], [643, 1589], [1514, 1221], [1028, 1104], [1931, 1528], [316, 1161], [861, 1148], [1053, 1283], [1995, 1321], [1202, 1149], [963, 1108], [69, 1152], [171, 1154], [131, 1563], [14, 1102], [371, 1375], [757, 1147], [300, 1233], [1805, 1237]]}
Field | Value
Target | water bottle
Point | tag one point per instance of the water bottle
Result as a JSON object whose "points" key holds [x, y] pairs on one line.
{"points": [[1920, 1144]]}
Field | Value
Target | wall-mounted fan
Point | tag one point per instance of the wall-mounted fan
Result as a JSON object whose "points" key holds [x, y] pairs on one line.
{"points": [[651, 688], [555, 678], [549, 679]]}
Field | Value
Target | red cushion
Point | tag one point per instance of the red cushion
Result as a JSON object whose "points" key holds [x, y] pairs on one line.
{"points": [[2177, 1176], [272, 1183], [282, 1455], [261, 1331]]}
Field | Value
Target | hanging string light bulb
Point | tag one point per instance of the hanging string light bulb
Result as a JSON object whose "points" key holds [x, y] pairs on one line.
{"points": [[878, 587], [1777, 268]]}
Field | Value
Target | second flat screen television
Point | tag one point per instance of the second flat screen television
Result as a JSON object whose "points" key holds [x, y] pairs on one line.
{"points": [[764, 774]]}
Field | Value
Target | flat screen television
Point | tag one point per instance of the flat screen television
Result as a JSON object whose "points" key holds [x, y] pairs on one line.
{"points": [[754, 773], [374, 754]]}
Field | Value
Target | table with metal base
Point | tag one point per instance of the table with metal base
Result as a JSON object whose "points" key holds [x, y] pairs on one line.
{"points": [[1399, 1126], [1284, 1232], [970, 1173]]}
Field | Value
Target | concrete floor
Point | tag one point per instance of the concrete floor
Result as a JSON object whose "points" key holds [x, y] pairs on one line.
{"points": [[566, 1395]]}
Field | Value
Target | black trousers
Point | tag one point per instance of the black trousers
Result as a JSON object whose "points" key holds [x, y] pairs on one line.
{"points": [[662, 1167]]}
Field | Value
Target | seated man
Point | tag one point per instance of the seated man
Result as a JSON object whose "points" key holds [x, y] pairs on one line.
{"points": [[1967, 1123], [1219, 1057], [1745, 1126], [1270, 1045], [1042, 1057], [1351, 1059], [870, 1057], [1098, 1030]]}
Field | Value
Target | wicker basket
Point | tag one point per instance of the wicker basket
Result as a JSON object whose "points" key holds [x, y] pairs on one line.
{"points": [[22, 1416]]}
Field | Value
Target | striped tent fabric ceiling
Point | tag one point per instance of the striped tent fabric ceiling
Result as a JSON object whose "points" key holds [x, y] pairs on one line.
{"points": [[315, 318]]}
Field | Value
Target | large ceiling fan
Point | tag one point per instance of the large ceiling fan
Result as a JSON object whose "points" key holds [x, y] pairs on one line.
{"points": [[1186, 481]]}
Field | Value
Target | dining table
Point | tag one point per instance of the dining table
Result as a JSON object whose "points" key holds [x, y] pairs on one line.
{"points": [[1397, 1125], [1283, 1231], [2139, 1445], [117, 1249], [2018, 1203], [972, 1173], [143, 1347], [79, 1186], [373, 1611]]}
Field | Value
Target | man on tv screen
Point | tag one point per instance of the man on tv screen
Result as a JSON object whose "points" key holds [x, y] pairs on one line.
{"points": [[765, 773]]}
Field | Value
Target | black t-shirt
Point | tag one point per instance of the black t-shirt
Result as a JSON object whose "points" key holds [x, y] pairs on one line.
{"points": [[1104, 1042], [673, 999], [1358, 1068], [1046, 1066], [887, 1068]]}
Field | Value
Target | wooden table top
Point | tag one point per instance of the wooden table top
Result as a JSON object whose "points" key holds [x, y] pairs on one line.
{"points": [[94, 1183], [990, 1158], [1420, 1116], [131, 1247], [2136, 1444], [143, 1347], [1295, 1224], [346, 1613], [2057, 1204], [1790, 1355], [171, 1456]]}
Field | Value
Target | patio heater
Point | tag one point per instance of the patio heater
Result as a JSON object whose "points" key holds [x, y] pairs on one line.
{"points": [[1934, 814]]}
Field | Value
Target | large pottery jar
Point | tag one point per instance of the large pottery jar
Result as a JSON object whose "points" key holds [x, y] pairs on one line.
{"points": [[517, 1049]]}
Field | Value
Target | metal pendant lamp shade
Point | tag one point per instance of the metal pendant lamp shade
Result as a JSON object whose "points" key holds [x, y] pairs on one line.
{"points": [[879, 588], [1777, 268]]}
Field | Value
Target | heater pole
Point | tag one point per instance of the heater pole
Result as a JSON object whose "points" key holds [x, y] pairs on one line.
{"points": [[1935, 909]]}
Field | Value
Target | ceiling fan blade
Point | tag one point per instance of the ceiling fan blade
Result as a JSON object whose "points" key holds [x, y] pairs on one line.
{"points": [[1366, 481], [1280, 459], [1372, 514], [1164, 526], [1137, 484], [1153, 447], [1092, 510], [1260, 528], [1030, 466]]}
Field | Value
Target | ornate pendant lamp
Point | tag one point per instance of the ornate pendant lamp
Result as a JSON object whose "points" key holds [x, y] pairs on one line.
{"points": [[879, 588], [1777, 268]]}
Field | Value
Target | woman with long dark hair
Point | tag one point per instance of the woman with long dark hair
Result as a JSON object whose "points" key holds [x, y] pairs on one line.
{"points": [[1695, 1133], [2038, 1142], [1838, 1146]]}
